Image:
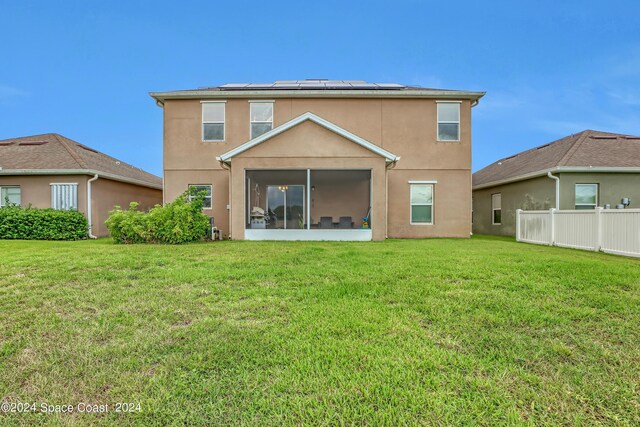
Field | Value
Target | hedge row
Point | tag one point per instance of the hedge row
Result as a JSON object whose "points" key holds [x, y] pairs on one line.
{"points": [[180, 221], [42, 224]]}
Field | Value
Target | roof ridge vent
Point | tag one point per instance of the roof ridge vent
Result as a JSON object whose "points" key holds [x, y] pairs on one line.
{"points": [[5, 143], [603, 137], [32, 142], [87, 148]]}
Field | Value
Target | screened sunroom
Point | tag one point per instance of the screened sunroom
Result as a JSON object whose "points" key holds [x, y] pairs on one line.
{"points": [[308, 204]]}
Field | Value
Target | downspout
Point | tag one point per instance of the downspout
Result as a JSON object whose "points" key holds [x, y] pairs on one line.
{"points": [[386, 195], [95, 177], [161, 105], [473, 104], [557, 188]]}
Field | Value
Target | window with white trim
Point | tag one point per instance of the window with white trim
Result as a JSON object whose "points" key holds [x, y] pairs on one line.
{"points": [[448, 121], [261, 117], [9, 196], [586, 196], [207, 189], [421, 203], [213, 115], [496, 209], [64, 196]]}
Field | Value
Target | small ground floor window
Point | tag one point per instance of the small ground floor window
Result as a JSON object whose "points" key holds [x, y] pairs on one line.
{"points": [[496, 209], [207, 189], [421, 203], [64, 196], [586, 196], [9, 195]]}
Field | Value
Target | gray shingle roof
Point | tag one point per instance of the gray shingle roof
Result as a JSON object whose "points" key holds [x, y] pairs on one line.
{"points": [[55, 152], [588, 148], [315, 87]]}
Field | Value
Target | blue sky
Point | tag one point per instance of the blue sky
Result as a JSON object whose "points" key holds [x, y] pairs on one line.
{"points": [[550, 68]]}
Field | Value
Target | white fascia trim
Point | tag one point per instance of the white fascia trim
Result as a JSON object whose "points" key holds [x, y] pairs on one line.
{"points": [[559, 169], [212, 94], [390, 157], [423, 182], [79, 172]]}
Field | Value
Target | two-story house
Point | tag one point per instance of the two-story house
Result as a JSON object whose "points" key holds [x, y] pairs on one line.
{"points": [[323, 159]]}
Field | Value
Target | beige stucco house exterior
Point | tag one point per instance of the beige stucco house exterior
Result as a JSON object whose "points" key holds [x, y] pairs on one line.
{"points": [[585, 170], [52, 171], [323, 160]]}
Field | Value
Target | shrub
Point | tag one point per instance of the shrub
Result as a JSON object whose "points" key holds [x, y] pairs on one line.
{"points": [[180, 221], [42, 224]]}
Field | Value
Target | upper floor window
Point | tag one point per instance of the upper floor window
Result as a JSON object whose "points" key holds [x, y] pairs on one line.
{"points": [[586, 196], [213, 114], [261, 117], [9, 196], [421, 203], [64, 196], [206, 190], [448, 121], [496, 209]]}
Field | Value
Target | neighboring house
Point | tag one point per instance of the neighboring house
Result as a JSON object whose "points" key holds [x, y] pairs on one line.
{"points": [[51, 171], [580, 171], [308, 160]]}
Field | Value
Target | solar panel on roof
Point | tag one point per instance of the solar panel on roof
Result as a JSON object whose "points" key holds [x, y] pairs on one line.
{"points": [[389, 86], [362, 86], [337, 84], [311, 84], [259, 85]]}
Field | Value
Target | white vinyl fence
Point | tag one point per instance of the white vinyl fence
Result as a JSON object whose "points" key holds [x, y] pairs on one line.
{"points": [[615, 231]]}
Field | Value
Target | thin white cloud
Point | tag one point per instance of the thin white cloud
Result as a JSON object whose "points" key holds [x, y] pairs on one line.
{"points": [[627, 97], [11, 92]]}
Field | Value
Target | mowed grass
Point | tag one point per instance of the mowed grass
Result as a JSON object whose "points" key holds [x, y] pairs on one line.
{"points": [[484, 331]]}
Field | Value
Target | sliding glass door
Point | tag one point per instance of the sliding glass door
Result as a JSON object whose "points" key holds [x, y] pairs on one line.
{"points": [[285, 207]]}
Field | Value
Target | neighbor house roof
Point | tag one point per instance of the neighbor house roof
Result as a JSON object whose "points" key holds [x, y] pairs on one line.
{"points": [[315, 88], [389, 157], [54, 154], [588, 150]]}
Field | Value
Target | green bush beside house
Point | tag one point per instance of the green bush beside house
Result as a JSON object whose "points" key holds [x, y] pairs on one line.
{"points": [[180, 221], [42, 224]]}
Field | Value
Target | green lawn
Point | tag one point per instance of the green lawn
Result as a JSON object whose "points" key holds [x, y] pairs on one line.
{"points": [[437, 332]]}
